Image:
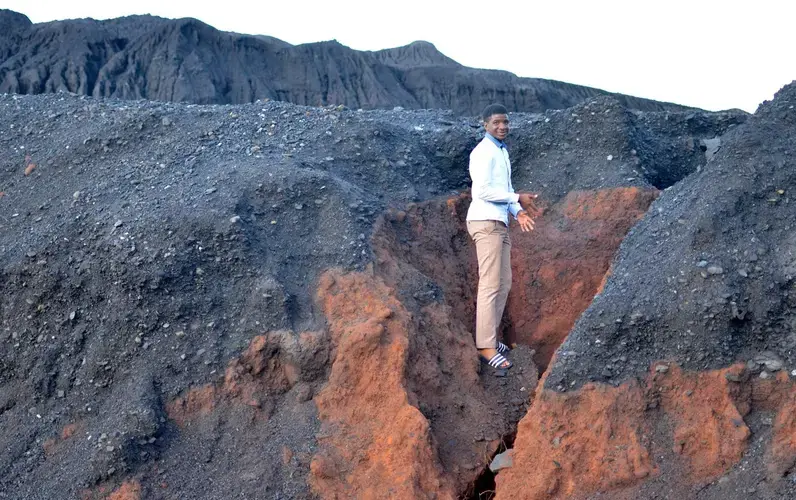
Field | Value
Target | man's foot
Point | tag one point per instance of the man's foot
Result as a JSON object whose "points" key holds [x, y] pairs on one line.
{"points": [[494, 358]]}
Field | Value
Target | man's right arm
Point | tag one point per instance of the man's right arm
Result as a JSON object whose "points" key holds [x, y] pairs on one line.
{"points": [[481, 173]]}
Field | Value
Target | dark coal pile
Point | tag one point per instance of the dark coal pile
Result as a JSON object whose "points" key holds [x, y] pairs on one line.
{"points": [[144, 245], [601, 144], [706, 279], [185, 60], [677, 381], [152, 242]]}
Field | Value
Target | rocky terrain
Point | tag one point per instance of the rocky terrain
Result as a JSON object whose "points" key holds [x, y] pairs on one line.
{"points": [[271, 300], [185, 60], [677, 381], [276, 301]]}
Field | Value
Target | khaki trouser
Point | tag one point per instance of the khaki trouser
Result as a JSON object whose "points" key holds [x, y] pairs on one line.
{"points": [[493, 247]]}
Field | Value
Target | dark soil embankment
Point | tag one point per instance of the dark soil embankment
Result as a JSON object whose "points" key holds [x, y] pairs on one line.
{"points": [[198, 300], [687, 356]]}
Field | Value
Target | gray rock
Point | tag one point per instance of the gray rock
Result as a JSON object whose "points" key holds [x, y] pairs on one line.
{"points": [[502, 461], [711, 146], [769, 360]]}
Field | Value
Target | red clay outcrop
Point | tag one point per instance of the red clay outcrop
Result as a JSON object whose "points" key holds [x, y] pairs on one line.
{"points": [[374, 443], [252, 380], [128, 490], [606, 440], [560, 266], [404, 413], [51, 445], [781, 454]]}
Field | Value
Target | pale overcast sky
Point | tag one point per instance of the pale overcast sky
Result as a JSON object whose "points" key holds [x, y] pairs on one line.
{"points": [[705, 53]]}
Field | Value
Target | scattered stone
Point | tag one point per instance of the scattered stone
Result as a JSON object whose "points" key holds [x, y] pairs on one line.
{"points": [[715, 270], [303, 393], [501, 461], [734, 377], [711, 146], [769, 360]]}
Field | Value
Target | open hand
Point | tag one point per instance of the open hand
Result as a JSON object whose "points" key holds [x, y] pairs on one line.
{"points": [[526, 222]]}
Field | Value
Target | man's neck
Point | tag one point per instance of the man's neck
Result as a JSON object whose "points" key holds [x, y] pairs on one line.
{"points": [[496, 141]]}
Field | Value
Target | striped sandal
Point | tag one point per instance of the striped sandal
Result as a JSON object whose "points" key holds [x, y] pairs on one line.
{"points": [[502, 348], [499, 363]]}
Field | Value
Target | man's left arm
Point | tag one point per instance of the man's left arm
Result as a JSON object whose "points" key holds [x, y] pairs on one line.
{"points": [[515, 208]]}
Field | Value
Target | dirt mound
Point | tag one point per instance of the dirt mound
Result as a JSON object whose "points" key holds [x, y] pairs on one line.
{"points": [[186, 60], [673, 435], [160, 310], [719, 242], [705, 283], [404, 412]]}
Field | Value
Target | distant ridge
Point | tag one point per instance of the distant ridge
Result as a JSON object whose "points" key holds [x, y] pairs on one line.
{"points": [[185, 60]]}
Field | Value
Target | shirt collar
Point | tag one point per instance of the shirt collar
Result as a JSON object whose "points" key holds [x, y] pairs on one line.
{"points": [[497, 142]]}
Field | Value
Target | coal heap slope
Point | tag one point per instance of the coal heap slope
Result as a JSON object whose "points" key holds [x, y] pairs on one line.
{"points": [[707, 277], [143, 245], [185, 60], [599, 144]]}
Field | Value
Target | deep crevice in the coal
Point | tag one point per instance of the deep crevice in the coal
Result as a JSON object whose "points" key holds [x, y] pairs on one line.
{"points": [[426, 254], [483, 488]]}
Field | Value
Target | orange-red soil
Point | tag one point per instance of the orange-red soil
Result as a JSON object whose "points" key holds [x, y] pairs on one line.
{"points": [[599, 439]]}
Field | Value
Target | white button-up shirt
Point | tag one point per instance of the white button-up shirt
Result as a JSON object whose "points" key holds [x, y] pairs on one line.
{"points": [[493, 195]]}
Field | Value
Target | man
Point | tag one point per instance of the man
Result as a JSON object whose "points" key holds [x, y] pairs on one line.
{"points": [[487, 223]]}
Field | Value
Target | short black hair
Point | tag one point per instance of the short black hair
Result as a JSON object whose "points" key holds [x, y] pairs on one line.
{"points": [[493, 109]]}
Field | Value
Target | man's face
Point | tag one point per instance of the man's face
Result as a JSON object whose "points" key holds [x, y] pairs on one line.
{"points": [[498, 126]]}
